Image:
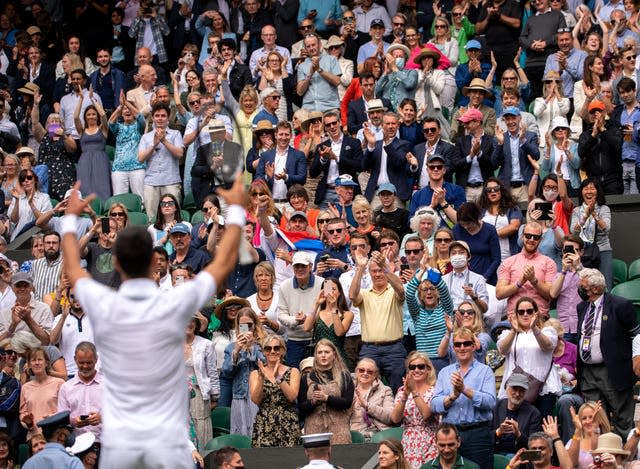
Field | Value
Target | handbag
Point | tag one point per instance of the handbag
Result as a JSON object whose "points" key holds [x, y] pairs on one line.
{"points": [[535, 385], [591, 255]]}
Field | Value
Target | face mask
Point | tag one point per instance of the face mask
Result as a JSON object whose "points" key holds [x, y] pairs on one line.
{"points": [[458, 261], [583, 293], [400, 62], [549, 196]]}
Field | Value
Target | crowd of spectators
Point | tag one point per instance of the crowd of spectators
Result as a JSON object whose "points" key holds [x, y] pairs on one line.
{"points": [[389, 150]]}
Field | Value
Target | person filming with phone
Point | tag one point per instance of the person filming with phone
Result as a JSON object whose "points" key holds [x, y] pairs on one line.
{"points": [[540, 449]]}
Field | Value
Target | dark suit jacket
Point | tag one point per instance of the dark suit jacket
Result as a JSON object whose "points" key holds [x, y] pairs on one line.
{"points": [[617, 328], [285, 20], [502, 157], [528, 418], [357, 113], [203, 178], [296, 167], [397, 167], [350, 162], [445, 149], [463, 148], [239, 76], [46, 79]]}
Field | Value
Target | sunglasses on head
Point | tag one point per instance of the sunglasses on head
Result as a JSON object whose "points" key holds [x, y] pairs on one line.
{"points": [[419, 366], [10, 352], [527, 311], [272, 348], [335, 230], [533, 236], [466, 343]]}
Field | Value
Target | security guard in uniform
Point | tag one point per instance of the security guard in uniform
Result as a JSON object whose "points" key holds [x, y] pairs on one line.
{"points": [[57, 430], [317, 448]]}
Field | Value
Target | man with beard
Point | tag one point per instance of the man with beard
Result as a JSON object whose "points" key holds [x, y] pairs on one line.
{"points": [[82, 395], [107, 81], [98, 255], [46, 270], [514, 419], [70, 328], [183, 252]]}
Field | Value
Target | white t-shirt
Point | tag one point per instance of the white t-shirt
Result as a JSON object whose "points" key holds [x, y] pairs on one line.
{"points": [[139, 333]]}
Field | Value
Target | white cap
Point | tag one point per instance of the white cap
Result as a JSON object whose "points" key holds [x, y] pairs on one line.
{"points": [[301, 257], [83, 442], [316, 440]]}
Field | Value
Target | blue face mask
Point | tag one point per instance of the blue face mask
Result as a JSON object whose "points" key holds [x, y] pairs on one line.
{"points": [[400, 62]]}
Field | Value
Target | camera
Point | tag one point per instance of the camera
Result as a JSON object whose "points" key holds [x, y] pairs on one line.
{"points": [[348, 20], [568, 250], [597, 461]]}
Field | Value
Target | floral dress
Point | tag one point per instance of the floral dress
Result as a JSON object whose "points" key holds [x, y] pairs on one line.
{"points": [[277, 421], [419, 437], [62, 171]]}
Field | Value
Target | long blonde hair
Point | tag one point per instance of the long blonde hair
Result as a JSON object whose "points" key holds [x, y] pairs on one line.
{"points": [[338, 368]]}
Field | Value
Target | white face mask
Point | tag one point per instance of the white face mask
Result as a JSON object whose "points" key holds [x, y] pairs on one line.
{"points": [[550, 196], [400, 62], [458, 261]]}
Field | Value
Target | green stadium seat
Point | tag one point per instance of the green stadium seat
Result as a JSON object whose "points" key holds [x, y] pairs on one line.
{"points": [[620, 271], [237, 441], [221, 420], [133, 202], [138, 219], [634, 270], [197, 217], [393, 433], [500, 461], [357, 437]]}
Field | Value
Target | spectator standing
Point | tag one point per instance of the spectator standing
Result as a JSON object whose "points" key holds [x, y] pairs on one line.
{"points": [[82, 394], [552, 104], [69, 103], [367, 12], [568, 62], [161, 149], [397, 82], [474, 69], [326, 15], [107, 81], [46, 270], [476, 91], [412, 409], [463, 284], [534, 344], [318, 77], [465, 395], [538, 40], [434, 145], [148, 29], [627, 115], [527, 273]]}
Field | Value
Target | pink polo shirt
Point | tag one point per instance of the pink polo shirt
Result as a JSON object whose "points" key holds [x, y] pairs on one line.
{"points": [[82, 398], [511, 269]]}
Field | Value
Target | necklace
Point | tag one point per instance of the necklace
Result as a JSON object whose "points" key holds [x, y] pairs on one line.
{"points": [[264, 299]]}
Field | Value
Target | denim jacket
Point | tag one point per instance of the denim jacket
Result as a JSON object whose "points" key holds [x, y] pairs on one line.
{"points": [[239, 371]]}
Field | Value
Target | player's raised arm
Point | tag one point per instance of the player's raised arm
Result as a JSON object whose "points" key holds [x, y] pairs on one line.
{"points": [[70, 246]]}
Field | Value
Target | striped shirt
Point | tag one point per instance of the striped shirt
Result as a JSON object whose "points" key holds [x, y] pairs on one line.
{"points": [[46, 276], [430, 324]]}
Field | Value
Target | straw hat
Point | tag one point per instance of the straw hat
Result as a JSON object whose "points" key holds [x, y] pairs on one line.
{"points": [[610, 443], [334, 41], [401, 47], [311, 116], [476, 84], [232, 300], [29, 88], [263, 124], [424, 53]]}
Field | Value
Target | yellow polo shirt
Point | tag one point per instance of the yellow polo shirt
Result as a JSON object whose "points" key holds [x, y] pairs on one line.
{"points": [[380, 315]]}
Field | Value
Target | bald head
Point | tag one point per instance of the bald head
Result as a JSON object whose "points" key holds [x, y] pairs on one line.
{"points": [[143, 56], [147, 76]]}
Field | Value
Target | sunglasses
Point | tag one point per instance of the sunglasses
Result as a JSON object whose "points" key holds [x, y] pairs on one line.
{"points": [[441, 26], [441, 240], [492, 190], [27, 178], [456, 14], [419, 366], [430, 130], [631, 57], [330, 124], [509, 78], [364, 371], [257, 194], [398, 24], [535, 237], [388, 243], [322, 220], [169, 203], [467, 312], [466, 343], [435, 167], [275, 97], [194, 102], [304, 27], [335, 230], [117, 214], [315, 121], [413, 251], [274, 348], [527, 311]]}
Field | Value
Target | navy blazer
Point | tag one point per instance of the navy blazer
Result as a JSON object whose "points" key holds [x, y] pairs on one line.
{"points": [[357, 113], [618, 326], [502, 158], [462, 167], [350, 162], [296, 167], [397, 167], [444, 149]]}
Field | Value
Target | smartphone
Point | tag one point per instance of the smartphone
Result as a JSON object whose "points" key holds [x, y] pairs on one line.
{"points": [[545, 207], [404, 263], [568, 250], [106, 227], [327, 288], [531, 455], [52, 129], [324, 258], [179, 279], [243, 328], [84, 417]]}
